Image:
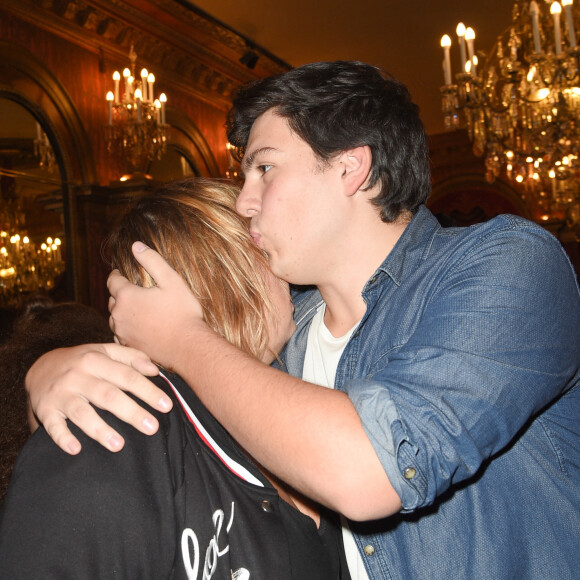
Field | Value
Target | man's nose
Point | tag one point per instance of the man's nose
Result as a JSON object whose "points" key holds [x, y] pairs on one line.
{"points": [[248, 202]]}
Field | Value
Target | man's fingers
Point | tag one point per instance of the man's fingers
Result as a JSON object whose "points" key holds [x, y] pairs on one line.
{"points": [[155, 265], [115, 282]]}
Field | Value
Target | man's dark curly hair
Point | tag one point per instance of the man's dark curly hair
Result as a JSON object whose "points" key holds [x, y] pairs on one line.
{"points": [[335, 106]]}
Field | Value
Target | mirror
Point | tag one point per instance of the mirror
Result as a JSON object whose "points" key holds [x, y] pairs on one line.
{"points": [[32, 228], [173, 165]]}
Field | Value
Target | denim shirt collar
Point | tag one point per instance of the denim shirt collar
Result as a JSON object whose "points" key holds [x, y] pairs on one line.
{"points": [[412, 247]]}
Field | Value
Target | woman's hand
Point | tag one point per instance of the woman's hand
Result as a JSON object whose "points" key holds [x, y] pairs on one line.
{"points": [[65, 383]]}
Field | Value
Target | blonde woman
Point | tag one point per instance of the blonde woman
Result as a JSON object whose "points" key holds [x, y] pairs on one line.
{"points": [[187, 502]]}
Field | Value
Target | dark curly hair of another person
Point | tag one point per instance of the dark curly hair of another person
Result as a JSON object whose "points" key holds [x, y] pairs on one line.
{"points": [[41, 326]]}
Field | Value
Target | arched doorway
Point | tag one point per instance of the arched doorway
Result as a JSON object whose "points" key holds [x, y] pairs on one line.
{"points": [[35, 106]]}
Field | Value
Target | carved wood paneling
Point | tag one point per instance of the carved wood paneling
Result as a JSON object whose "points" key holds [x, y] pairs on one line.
{"points": [[194, 53]]}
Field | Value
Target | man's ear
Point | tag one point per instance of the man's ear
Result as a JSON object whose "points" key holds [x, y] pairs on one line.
{"points": [[356, 165]]}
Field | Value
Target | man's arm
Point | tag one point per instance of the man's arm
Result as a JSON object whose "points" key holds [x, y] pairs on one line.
{"points": [[309, 436]]}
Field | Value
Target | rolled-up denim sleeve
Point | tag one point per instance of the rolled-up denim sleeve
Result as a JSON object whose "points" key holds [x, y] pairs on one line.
{"points": [[386, 431], [494, 339]]}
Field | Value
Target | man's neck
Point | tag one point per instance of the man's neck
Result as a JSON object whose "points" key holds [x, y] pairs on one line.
{"points": [[343, 294]]}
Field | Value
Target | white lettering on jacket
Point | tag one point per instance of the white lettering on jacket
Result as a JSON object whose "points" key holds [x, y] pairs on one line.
{"points": [[190, 551]]}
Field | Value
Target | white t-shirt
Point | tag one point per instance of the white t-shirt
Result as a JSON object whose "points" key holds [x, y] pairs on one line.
{"points": [[323, 352]]}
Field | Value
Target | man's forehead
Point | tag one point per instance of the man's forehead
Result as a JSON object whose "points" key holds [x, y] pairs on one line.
{"points": [[271, 129], [268, 133], [268, 123]]}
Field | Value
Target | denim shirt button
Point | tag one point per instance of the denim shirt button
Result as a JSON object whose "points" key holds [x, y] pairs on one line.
{"points": [[410, 472], [369, 550]]}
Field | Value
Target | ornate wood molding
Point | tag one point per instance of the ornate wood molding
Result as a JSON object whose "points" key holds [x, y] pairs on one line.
{"points": [[189, 49]]}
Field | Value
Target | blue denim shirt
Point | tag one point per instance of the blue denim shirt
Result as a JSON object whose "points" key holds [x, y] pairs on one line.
{"points": [[465, 373]]}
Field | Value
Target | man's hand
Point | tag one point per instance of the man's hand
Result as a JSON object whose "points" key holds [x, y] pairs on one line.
{"points": [[64, 382], [155, 320]]}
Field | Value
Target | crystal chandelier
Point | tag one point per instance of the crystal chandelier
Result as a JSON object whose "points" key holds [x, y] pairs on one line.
{"points": [[25, 266], [43, 149], [233, 171], [136, 128], [521, 108]]}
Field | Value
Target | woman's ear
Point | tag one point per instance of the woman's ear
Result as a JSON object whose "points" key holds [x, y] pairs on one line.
{"points": [[356, 164]]}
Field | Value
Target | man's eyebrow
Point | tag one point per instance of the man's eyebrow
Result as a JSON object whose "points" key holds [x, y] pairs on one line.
{"points": [[248, 160]]}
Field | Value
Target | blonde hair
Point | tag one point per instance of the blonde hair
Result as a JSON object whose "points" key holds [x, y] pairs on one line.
{"points": [[193, 224]]}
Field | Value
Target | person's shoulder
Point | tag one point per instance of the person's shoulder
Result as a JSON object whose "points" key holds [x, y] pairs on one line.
{"points": [[504, 233], [508, 225]]}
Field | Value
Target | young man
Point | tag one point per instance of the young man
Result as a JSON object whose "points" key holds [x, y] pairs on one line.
{"points": [[449, 435]]}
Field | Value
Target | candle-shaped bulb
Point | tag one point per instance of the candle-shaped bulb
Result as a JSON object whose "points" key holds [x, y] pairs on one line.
{"points": [[144, 74], [470, 37], [535, 14], [138, 97], [126, 76], [570, 21], [150, 82], [460, 30], [163, 100], [110, 98], [116, 79], [555, 11], [445, 44]]}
